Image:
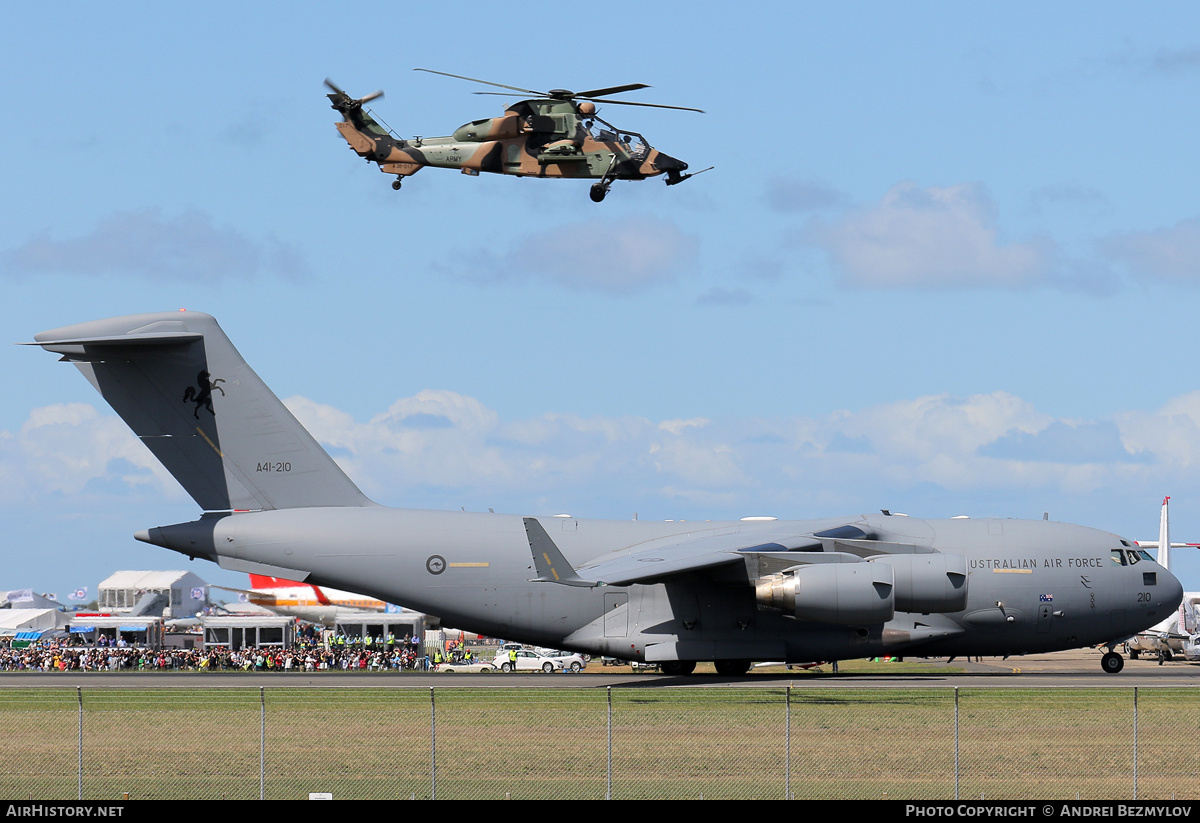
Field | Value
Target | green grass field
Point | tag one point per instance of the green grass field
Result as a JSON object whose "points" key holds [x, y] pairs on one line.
{"points": [[213, 743]]}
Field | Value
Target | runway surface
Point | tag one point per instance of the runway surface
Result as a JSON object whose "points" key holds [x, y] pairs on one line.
{"points": [[1079, 668]]}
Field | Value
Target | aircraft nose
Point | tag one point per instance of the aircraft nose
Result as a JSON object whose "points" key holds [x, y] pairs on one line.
{"points": [[1170, 588]]}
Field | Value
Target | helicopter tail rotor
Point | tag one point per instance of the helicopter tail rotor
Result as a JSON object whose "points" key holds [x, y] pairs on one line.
{"points": [[344, 103]]}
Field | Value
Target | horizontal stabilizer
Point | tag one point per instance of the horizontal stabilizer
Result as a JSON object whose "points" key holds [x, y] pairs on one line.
{"points": [[71, 346]]}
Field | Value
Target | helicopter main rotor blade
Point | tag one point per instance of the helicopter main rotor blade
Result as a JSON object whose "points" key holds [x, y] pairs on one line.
{"points": [[611, 90], [563, 94], [486, 82], [602, 100], [646, 105]]}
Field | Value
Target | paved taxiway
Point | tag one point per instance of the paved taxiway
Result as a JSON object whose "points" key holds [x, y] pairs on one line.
{"points": [[1079, 668]]}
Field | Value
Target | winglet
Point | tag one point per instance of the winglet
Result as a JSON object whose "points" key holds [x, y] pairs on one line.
{"points": [[549, 562]]}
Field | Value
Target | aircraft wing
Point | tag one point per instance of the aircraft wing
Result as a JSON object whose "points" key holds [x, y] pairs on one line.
{"points": [[781, 549]]}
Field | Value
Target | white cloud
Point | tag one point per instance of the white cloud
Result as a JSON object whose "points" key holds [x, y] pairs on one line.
{"points": [[440, 449], [145, 244], [1163, 61], [1171, 434], [678, 426], [928, 426], [987, 443], [791, 194], [67, 448], [719, 296], [614, 256], [935, 237], [1170, 255]]}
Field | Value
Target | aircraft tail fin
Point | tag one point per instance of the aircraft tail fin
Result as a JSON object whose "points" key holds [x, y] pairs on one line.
{"points": [[1164, 536], [179, 383], [262, 581]]}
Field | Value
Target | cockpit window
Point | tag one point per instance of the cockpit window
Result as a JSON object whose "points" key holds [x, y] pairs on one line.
{"points": [[1128, 557]]}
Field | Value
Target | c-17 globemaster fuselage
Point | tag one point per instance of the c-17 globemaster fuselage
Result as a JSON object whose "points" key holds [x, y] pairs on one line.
{"points": [[670, 592]]}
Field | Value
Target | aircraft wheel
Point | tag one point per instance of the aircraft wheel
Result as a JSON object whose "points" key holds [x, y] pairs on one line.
{"points": [[547, 667], [396, 184], [598, 191], [678, 667], [732, 667], [1133, 654], [1112, 662]]}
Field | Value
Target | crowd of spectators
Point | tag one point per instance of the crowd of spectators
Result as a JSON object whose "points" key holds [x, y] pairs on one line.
{"points": [[307, 657]]}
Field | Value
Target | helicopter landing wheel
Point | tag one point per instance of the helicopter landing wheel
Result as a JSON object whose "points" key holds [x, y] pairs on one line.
{"points": [[396, 184], [598, 191]]}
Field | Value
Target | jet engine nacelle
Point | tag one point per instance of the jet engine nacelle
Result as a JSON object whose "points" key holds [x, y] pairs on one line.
{"points": [[928, 583], [843, 593]]}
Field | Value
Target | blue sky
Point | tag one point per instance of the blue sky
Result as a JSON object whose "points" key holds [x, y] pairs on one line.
{"points": [[947, 262]]}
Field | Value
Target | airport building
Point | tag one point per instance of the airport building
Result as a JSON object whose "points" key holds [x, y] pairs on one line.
{"points": [[169, 593], [252, 631], [21, 626], [379, 626], [138, 632], [26, 617]]}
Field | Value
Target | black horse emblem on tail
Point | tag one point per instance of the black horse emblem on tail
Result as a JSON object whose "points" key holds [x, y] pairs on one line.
{"points": [[203, 396]]}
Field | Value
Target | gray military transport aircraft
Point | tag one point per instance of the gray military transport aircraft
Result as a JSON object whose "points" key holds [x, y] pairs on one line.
{"points": [[673, 593]]}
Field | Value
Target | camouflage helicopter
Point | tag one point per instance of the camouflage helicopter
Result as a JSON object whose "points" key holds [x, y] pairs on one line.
{"points": [[554, 134]]}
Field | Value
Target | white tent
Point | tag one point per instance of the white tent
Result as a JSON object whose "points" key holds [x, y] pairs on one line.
{"points": [[19, 621]]}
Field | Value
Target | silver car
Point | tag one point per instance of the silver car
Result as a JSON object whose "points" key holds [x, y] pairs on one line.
{"points": [[527, 660], [571, 662]]}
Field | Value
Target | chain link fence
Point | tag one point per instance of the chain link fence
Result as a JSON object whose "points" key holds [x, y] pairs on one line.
{"points": [[579, 743]]}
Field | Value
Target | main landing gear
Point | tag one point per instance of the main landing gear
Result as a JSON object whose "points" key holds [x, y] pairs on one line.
{"points": [[1112, 662], [600, 187], [731, 668]]}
